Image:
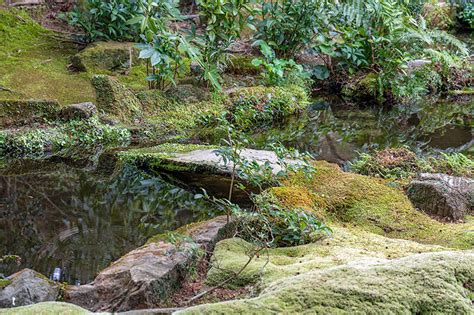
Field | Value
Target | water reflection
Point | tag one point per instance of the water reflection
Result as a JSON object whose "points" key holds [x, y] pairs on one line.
{"points": [[69, 224], [336, 133]]}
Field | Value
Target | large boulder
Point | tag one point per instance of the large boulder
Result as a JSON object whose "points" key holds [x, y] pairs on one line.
{"points": [[109, 56], [442, 195], [428, 283], [145, 277], [78, 111], [27, 287], [115, 99]]}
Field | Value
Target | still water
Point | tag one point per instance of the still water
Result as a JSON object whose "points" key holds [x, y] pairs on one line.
{"points": [[337, 133], [74, 222]]}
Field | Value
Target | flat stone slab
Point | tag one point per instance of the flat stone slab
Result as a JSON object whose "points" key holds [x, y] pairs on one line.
{"points": [[211, 160]]}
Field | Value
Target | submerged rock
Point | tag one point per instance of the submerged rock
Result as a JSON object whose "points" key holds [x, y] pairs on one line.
{"points": [[28, 287], [145, 277], [442, 195], [115, 99], [108, 56], [78, 111], [422, 283]]}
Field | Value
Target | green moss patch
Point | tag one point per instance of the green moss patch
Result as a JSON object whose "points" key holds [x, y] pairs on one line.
{"points": [[369, 204], [273, 264], [47, 308], [431, 283], [33, 64]]}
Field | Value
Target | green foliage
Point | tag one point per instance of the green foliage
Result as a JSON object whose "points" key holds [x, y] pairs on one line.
{"points": [[277, 71], [66, 139], [288, 25], [106, 19], [466, 15], [163, 49], [271, 225], [224, 21], [380, 37]]}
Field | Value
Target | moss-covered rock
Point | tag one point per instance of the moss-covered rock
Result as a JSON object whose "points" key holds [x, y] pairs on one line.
{"points": [[109, 56], [21, 112], [264, 105], [52, 308], [428, 283], [343, 247], [242, 65], [370, 204], [115, 99]]}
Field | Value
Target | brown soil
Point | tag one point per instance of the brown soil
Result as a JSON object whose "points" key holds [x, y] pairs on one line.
{"points": [[196, 285]]}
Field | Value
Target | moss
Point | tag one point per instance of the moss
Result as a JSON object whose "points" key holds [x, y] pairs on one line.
{"points": [[242, 65], [155, 158], [369, 204], [115, 99], [14, 112], [265, 105], [54, 308], [4, 283], [107, 56], [431, 283], [33, 64], [65, 139], [345, 246]]}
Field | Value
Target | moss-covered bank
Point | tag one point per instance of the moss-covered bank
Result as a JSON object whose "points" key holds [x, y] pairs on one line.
{"points": [[369, 204]]}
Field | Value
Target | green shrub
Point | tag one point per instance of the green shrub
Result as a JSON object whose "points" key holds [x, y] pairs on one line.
{"points": [[466, 15], [106, 19], [272, 225], [288, 25]]}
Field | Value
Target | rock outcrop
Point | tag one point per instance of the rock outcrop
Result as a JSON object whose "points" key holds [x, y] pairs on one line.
{"points": [[28, 287], [442, 195], [145, 277]]}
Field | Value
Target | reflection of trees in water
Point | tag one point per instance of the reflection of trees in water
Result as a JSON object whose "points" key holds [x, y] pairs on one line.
{"points": [[335, 133], [70, 220]]}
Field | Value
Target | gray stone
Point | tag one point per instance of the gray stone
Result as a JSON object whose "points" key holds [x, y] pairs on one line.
{"points": [[78, 111], [28, 287], [145, 277], [442, 195], [211, 160]]}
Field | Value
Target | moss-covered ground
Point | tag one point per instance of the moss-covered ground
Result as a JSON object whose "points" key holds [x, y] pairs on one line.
{"points": [[33, 63], [370, 204]]}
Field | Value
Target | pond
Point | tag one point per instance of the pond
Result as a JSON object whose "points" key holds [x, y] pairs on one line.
{"points": [[332, 131], [72, 223]]}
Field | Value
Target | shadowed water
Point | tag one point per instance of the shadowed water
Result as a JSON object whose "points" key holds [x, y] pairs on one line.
{"points": [[78, 222]]}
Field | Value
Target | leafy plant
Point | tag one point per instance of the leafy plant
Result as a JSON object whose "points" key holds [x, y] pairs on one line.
{"points": [[466, 15], [288, 25], [106, 19], [224, 21], [163, 49], [277, 71]]}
